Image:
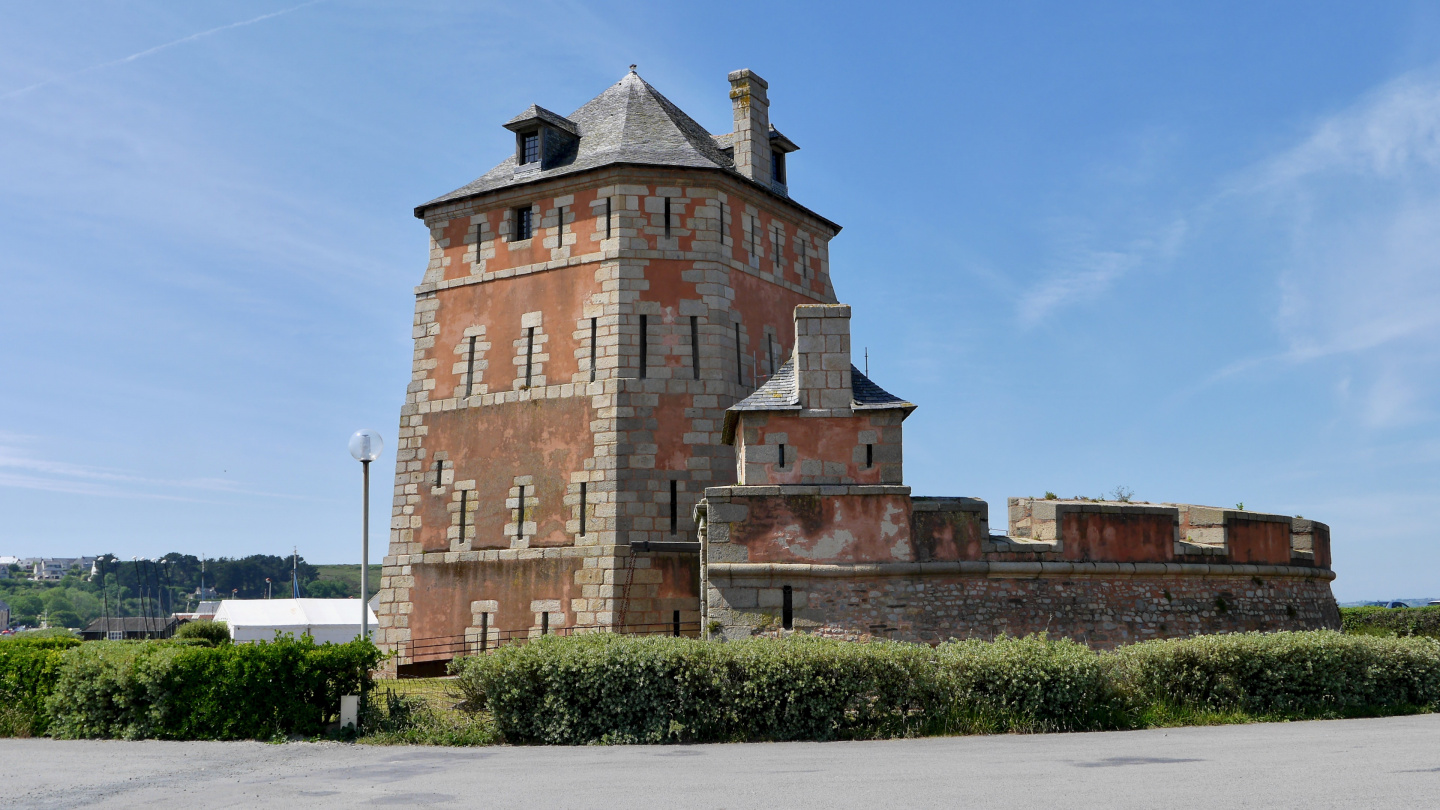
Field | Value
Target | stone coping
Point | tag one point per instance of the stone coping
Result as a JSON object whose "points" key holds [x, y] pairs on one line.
{"points": [[942, 503], [805, 489], [1008, 569]]}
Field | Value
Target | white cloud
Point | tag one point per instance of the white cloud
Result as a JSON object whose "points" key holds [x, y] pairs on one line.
{"points": [[21, 470], [1085, 274], [151, 51], [1358, 204]]}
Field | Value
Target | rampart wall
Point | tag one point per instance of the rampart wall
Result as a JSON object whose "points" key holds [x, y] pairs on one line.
{"points": [[863, 561]]}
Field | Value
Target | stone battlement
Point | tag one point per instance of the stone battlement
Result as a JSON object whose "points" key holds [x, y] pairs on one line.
{"points": [[884, 524], [855, 561]]}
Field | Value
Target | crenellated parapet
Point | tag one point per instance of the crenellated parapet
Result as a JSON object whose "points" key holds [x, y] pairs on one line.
{"points": [[1143, 532], [820, 535]]}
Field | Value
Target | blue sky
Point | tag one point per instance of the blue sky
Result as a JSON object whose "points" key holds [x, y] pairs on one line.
{"points": [[1188, 249]]}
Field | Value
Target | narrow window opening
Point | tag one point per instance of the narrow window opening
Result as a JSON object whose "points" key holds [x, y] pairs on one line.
{"points": [[739, 359], [594, 330], [607, 217], [583, 501], [804, 268], [484, 631], [545, 623], [470, 367], [777, 166], [775, 247], [464, 504], [529, 353], [724, 235], [674, 506], [676, 620], [520, 515], [695, 345], [644, 343], [524, 223], [667, 217], [439, 468], [869, 456], [787, 608], [770, 352], [560, 226], [781, 464], [529, 147], [754, 233]]}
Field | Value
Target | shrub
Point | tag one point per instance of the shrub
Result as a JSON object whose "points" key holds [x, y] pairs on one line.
{"points": [[213, 632], [609, 688], [165, 690], [614, 689], [33, 636], [1421, 621], [606, 688], [1315, 673], [1030, 684], [29, 668]]}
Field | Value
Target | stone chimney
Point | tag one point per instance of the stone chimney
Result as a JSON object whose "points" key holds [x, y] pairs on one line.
{"points": [[752, 125], [822, 356]]}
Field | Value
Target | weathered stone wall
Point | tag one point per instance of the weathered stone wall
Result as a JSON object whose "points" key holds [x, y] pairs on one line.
{"points": [[870, 561], [528, 388], [1102, 606]]}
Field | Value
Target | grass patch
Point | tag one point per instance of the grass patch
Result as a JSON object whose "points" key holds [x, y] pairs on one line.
{"points": [[422, 711]]}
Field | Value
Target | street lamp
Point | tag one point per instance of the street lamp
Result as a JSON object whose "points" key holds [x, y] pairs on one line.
{"points": [[365, 446]]}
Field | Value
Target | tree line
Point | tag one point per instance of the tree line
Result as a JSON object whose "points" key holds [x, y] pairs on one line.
{"points": [[159, 587]]}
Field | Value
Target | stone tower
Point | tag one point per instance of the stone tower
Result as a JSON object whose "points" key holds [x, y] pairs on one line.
{"points": [[591, 308]]}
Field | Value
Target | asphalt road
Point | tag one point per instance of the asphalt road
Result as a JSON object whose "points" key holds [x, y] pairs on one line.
{"points": [[1385, 763]]}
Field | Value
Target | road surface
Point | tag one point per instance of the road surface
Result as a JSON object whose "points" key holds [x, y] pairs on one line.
{"points": [[1384, 763]]}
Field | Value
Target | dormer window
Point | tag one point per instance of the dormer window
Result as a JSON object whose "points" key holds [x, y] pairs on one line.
{"points": [[777, 166], [529, 147], [543, 140]]}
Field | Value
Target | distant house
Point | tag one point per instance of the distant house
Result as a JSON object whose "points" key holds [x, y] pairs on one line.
{"points": [[57, 567], [336, 620], [4, 615], [129, 628]]}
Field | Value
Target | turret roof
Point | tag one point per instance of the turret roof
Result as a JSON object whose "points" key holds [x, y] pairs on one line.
{"points": [[629, 123], [782, 393]]}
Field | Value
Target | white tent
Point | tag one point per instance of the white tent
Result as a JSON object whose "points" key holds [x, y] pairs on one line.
{"points": [[336, 620]]}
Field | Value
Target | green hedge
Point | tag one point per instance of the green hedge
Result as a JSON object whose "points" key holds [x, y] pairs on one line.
{"points": [[1029, 684], [29, 668], [211, 632], [1420, 621], [614, 689], [166, 690], [1315, 673]]}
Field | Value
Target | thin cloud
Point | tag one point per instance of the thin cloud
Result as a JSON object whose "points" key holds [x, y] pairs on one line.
{"points": [[1088, 274], [157, 49], [18, 470], [1354, 207]]}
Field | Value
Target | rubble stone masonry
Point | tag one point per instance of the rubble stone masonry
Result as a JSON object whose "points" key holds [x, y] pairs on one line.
{"points": [[929, 570]]}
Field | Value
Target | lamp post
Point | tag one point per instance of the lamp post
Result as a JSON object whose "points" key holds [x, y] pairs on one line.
{"points": [[365, 446]]}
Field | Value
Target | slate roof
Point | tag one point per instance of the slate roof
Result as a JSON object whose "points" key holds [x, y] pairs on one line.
{"points": [[781, 393], [537, 113], [629, 123]]}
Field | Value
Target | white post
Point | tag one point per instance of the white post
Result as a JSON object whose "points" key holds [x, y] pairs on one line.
{"points": [[365, 560]]}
